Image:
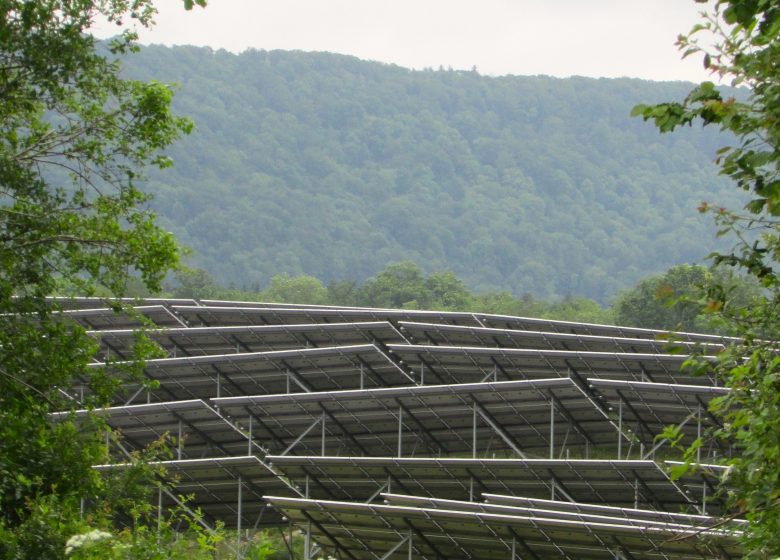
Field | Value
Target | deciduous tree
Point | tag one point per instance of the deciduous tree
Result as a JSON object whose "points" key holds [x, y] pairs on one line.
{"points": [[745, 52], [74, 140]]}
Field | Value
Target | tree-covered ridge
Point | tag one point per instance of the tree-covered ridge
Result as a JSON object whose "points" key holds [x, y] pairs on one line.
{"points": [[321, 164]]}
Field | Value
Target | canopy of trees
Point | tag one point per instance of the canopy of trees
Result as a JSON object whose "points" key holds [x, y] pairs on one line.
{"points": [[741, 45], [321, 164], [665, 301], [74, 139]]}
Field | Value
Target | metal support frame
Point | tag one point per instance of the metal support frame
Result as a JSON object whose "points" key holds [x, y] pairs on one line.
{"points": [[240, 515], [474, 433], [407, 539], [698, 434], [380, 490], [658, 445], [179, 442], [508, 439], [552, 429], [249, 439], [320, 419], [620, 430], [400, 431]]}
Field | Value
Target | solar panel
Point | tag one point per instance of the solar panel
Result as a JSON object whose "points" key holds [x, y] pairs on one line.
{"points": [[449, 364], [623, 483], [252, 373], [648, 408], [520, 416], [438, 334], [335, 409], [203, 341], [212, 485], [464, 533]]}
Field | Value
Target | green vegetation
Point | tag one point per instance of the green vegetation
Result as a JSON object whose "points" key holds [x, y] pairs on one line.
{"points": [[665, 301], [325, 165], [74, 137], [746, 49]]}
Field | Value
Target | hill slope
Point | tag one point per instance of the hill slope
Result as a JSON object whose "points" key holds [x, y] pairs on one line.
{"points": [[331, 166]]}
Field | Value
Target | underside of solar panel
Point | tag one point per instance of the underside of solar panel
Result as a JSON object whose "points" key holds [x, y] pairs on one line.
{"points": [[386, 434]]}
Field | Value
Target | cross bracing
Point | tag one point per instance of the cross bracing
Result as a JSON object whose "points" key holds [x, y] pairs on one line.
{"points": [[488, 436]]}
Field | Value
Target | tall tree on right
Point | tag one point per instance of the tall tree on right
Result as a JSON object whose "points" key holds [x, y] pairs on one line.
{"points": [[745, 52]]}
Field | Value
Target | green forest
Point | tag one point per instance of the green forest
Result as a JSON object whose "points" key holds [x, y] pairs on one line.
{"points": [[329, 166], [669, 300]]}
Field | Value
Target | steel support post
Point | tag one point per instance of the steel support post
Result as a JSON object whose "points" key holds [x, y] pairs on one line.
{"points": [[698, 435], [290, 540], [323, 435], [249, 439], [410, 545], [219, 385], [400, 430], [361, 376], [620, 430], [636, 493], [704, 498], [307, 542], [552, 428], [514, 548], [179, 442], [474, 434], [238, 522]]}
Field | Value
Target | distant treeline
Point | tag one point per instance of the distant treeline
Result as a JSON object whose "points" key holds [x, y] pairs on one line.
{"points": [[672, 300], [326, 165]]}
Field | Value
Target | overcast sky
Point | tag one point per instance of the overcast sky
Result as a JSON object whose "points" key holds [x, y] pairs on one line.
{"points": [[599, 38]]}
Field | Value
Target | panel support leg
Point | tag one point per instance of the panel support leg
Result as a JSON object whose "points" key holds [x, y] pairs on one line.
{"points": [[249, 439], [322, 446], [620, 430], [552, 429], [240, 514], [474, 434], [400, 430], [698, 434], [307, 542], [179, 443]]}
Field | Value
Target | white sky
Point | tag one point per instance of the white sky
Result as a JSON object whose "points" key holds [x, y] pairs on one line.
{"points": [[599, 38]]}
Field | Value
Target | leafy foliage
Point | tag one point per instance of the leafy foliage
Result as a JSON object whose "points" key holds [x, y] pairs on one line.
{"points": [[400, 285], [74, 138], [745, 51], [672, 300]]}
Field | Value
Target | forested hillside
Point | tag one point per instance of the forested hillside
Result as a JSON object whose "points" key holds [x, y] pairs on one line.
{"points": [[331, 166]]}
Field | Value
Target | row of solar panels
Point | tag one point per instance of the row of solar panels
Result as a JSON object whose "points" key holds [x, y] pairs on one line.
{"points": [[191, 313], [332, 407]]}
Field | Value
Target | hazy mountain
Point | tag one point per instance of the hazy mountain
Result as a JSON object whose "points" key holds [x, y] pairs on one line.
{"points": [[328, 165]]}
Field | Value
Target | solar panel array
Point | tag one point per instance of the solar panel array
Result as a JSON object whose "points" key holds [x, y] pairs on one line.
{"points": [[420, 434]]}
